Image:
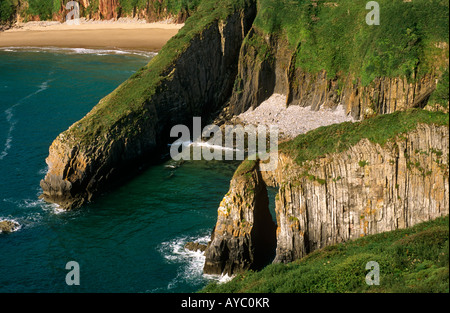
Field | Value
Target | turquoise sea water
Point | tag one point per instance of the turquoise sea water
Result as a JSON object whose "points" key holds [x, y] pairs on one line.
{"points": [[129, 240]]}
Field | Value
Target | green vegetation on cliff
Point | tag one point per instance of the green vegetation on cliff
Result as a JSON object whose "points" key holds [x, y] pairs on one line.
{"points": [[441, 95], [340, 137], [132, 95], [170, 6], [7, 9], [411, 260], [47, 9], [334, 36]]}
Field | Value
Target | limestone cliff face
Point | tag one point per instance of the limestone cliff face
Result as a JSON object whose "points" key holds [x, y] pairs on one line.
{"points": [[365, 190], [77, 171], [267, 66], [244, 236], [196, 84]]}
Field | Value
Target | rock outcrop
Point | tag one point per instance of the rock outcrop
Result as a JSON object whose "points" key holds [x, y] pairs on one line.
{"points": [[94, 153], [367, 189], [8, 226], [244, 237], [267, 66], [195, 246], [220, 57]]}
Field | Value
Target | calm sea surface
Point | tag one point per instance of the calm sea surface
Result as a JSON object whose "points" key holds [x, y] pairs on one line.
{"points": [[130, 240]]}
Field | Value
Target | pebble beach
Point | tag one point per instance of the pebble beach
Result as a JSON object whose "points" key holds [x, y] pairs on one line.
{"points": [[292, 120]]}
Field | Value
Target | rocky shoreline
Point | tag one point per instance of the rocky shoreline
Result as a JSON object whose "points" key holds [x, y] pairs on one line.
{"points": [[8, 226], [366, 189]]}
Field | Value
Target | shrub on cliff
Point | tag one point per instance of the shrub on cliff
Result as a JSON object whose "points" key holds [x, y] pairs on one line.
{"points": [[7, 9], [46, 9], [334, 36], [43, 8]]}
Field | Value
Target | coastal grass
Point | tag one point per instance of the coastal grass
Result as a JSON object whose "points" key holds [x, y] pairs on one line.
{"points": [[245, 167], [340, 137], [440, 96], [334, 36], [414, 259]]}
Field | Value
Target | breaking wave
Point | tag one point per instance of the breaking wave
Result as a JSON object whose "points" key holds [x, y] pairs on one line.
{"points": [[190, 262]]}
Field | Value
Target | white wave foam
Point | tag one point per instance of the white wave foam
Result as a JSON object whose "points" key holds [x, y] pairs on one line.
{"points": [[36, 203], [201, 144], [220, 279], [79, 51], [17, 226], [49, 207], [31, 212], [7, 147], [42, 86], [210, 146], [43, 171], [55, 208], [191, 262], [9, 137]]}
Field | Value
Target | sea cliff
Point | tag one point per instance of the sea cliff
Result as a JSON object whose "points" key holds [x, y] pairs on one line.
{"points": [[377, 185], [388, 171], [192, 76], [235, 54]]}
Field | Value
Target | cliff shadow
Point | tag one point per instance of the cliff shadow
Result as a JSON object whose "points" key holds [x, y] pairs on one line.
{"points": [[264, 233]]}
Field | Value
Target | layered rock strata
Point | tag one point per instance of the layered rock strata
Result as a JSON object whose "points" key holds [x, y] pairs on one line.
{"points": [[208, 65], [267, 66], [244, 236], [84, 161], [367, 189]]}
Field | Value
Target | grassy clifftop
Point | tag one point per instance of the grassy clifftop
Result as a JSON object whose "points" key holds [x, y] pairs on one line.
{"points": [[410, 260], [334, 36], [340, 137]]}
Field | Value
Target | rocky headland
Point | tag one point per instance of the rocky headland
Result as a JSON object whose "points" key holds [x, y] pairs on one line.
{"points": [[387, 171], [366, 189]]}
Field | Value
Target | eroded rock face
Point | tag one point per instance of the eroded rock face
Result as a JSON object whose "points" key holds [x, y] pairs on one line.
{"points": [[195, 246], [112, 9], [244, 236], [78, 171], [83, 163], [367, 189], [271, 69]]}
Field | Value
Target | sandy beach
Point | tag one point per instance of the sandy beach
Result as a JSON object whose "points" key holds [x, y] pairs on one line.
{"points": [[125, 34]]}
